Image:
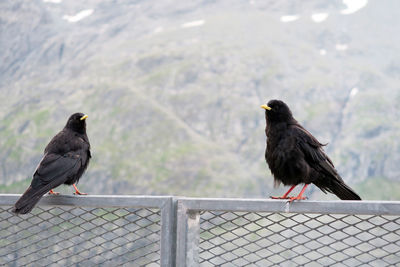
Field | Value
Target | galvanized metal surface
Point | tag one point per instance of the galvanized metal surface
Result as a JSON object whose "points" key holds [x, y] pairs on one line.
{"points": [[251, 232], [272, 205], [167, 231], [89, 231], [93, 200]]}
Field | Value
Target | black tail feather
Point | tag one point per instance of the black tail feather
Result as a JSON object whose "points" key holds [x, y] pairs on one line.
{"points": [[343, 191], [29, 199]]}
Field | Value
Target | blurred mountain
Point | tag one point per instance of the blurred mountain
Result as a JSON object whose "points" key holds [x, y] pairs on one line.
{"points": [[173, 89]]}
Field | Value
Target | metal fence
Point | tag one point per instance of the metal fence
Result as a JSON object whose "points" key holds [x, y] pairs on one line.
{"points": [[238, 232], [168, 231], [88, 231]]}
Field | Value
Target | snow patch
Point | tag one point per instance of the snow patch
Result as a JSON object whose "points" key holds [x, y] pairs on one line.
{"points": [[79, 16], [289, 18], [319, 17], [341, 47], [353, 92], [353, 6], [52, 1], [195, 23]]}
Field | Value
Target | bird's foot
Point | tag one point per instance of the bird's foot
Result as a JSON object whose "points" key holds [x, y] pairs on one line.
{"points": [[51, 192], [300, 195], [285, 196], [80, 193], [282, 197], [77, 192], [291, 199]]}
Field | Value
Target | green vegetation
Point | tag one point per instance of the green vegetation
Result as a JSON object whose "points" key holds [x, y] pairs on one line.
{"points": [[379, 188], [16, 187], [176, 111]]}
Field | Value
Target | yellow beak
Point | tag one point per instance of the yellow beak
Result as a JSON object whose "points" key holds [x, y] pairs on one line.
{"points": [[84, 117], [265, 107]]}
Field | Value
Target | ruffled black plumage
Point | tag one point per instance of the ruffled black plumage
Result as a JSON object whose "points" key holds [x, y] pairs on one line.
{"points": [[294, 156], [65, 159]]}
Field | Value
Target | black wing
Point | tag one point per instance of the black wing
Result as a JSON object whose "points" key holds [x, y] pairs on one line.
{"points": [[52, 171], [55, 169], [325, 176], [313, 153], [66, 157]]}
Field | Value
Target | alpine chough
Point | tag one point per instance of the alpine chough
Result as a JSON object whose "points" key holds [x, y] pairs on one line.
{"points": [[295, 157], [65, 159]]}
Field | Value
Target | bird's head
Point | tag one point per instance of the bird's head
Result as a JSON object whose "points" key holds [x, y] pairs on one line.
{"points": [[277, 111], [77, 122]]}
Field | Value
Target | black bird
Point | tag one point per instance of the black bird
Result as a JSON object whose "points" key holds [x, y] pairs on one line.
{"points": [[294, 156], [65, 159]]}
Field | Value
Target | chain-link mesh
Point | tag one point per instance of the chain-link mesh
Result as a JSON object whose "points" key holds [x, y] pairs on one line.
{"points": [[80, 236], [292, 239]]}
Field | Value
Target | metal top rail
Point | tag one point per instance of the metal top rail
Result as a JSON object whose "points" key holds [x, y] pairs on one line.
{"points": [[218, 204], [272, 205], [93, 200]]}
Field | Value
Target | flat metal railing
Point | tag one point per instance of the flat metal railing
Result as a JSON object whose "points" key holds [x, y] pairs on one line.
{"points": [[177, 231]]}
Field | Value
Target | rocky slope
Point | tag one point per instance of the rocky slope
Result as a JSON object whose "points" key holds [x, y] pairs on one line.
{"points": [[173, 90]]}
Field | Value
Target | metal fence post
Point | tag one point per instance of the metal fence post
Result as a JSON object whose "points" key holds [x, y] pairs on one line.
{"points": [[188, 231], [193, 236], [167, 233]]}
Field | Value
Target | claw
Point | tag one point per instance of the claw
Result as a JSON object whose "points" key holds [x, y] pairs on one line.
{"points": [[51, 192], [291, 199], [77, 192], [285, 196], [282, 197], [300, 196]]}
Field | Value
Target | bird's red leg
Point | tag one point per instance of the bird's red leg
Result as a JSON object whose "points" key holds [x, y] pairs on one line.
{"points": [[51, 192], [300, 196], [285, 196], [77, 192]]}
